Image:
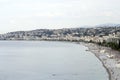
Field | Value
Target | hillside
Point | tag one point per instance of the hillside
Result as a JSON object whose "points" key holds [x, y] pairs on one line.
{"points": [[39, 34]]}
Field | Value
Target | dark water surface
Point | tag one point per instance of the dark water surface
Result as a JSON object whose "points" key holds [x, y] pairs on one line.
{"points": [[42, 60]]}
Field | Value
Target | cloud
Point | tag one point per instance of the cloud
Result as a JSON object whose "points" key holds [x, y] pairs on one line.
{"points": [[56, 13], [108, 14]]}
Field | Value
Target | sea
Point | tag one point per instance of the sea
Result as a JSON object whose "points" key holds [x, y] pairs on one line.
{"points": [[48, 60]]}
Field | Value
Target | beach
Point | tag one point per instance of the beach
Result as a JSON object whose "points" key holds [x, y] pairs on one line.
{"points": [[109, 58]]}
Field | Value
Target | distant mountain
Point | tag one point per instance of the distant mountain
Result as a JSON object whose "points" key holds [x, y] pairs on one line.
{"points": [[108, 25]]}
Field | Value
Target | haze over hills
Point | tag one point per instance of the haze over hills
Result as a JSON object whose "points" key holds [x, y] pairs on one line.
{"points": [[39, 34], [108, 25]]}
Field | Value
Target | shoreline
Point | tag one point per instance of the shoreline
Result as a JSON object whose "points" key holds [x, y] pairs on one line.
{"points": [[107, 70], [109, 58], [109, 75]]}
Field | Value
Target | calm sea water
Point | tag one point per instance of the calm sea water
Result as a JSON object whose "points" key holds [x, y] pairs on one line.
{"points": [[42, 60]]}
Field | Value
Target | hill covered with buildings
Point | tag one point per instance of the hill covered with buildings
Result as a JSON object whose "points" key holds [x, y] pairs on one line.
{"points": [[97, 34]]}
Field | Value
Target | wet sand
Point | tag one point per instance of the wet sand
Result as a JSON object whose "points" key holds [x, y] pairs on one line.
{"points": [[109, 58]]}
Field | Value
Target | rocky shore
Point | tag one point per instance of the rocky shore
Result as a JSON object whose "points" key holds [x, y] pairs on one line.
{"points": [[109, 58]]}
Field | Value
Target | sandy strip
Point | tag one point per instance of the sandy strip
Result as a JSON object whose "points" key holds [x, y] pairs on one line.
{"points": [[110, 59]]}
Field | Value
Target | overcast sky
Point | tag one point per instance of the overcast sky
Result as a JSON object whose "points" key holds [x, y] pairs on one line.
{"points": [[35, 14]]}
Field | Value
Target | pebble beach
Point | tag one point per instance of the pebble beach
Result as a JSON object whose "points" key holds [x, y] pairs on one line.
{"points": [[109, 58]]}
